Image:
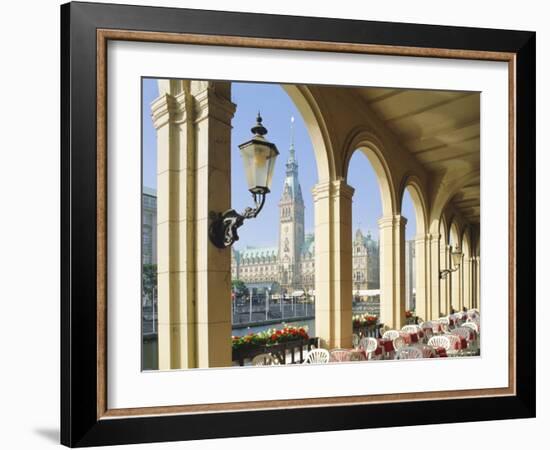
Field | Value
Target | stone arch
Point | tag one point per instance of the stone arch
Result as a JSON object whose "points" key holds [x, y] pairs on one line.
{"points": [[317, 129], [371, 147], [416, 192], [454, 236], [443, 229], [467, 242], [412, 182], [455, 239], [445, 193]]}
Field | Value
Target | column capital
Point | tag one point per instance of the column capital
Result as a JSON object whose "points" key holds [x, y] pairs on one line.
{"points": [[209, 104], [423, 238], [321, 190], [337, 188], [392, 221], [341, 189], [168, 109]]}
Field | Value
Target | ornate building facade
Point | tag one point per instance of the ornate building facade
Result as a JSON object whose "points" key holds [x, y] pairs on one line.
{"points": [[289, 268]]}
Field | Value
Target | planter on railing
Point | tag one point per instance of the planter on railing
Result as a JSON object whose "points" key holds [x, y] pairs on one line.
{"points": [[366, 325], [278, 350], [367, 331]]}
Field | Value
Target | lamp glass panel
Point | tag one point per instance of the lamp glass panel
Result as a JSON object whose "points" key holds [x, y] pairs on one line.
{"points": [[259, 164], [247, 155], [271, 166], [456, 258]]}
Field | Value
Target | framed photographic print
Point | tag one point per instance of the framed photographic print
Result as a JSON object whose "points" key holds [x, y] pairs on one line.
{"points": [[321, 224]]}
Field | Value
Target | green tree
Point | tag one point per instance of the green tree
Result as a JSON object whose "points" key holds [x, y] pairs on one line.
{"points": [[239, 288], [149, 280]]}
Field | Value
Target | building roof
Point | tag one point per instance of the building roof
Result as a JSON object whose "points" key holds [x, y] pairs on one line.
{"points": [[149, 191], [257, 252], [367, 240]]}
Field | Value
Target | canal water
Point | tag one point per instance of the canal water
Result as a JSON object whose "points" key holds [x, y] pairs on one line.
{"points": [[150, 348]]}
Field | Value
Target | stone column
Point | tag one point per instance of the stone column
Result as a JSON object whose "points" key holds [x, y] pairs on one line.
{"points": [[436, 286], [445, 282], [214, 112], [333, 263], [172, 117], [392, 271], [455, 284], [478, 283], [421, 277], [193, 122], [467, 294]]}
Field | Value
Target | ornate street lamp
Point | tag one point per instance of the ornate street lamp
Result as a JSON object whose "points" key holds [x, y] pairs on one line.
{"points": [[258, 155], [456, 258]]}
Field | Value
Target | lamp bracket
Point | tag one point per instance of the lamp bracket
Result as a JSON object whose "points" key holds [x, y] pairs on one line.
{"points": [[443, 273], [223, 226]]}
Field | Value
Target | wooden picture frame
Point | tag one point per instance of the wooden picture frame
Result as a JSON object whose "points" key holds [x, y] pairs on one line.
{"points": [[86, 419]]}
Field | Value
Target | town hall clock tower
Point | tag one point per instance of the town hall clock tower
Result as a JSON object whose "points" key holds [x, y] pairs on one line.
{"points": [[291, 224]]}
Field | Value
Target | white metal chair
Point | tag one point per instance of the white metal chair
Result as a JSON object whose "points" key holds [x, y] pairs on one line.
{"points": [[317, 356], [409, 353], [340, 355], [263, 359]]}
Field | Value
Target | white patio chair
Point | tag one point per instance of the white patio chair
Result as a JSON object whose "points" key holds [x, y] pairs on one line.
{"points": [[398, 343], [445, 323], [428, 330], [473, 344], [462, 331], [466, 333], [471, 325], [411, 328], [455, 349], [370, 345], [355, 340], [317, 356], [457, 317], [390, 334], [263, 359], [427, 351], [442, 341], [340, 355], [409, 353]]}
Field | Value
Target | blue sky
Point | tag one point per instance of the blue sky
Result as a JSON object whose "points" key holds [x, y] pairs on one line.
{"points": [[277, 109]]}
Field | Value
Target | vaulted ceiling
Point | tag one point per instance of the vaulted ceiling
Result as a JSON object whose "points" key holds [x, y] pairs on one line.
{"points": [[441, 129]]}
